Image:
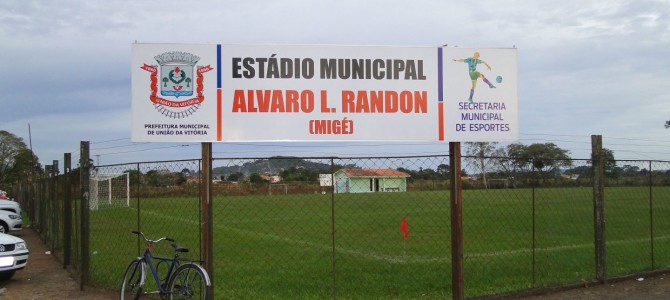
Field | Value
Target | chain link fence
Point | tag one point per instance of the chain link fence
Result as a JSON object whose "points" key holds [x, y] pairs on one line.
{"points": [[362, 228]]}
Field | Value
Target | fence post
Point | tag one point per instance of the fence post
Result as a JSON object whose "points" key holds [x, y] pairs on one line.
{"points": [[599, 206], [534, 226], [54, 206], [85, 174], [67, 210], [457, 281], [41, 202], [207, 219], [333, 236], [139, 210], [651, 217]]}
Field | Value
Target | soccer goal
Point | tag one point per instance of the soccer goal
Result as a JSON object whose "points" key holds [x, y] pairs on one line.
{"points": [[109, 190], [278, 188], [498, 183]]}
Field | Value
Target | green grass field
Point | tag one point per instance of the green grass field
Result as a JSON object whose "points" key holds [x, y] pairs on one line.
{"points": [[283, 247]]}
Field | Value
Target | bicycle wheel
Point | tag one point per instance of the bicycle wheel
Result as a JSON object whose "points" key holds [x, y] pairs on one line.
{"points": [[133, 280], [190, 281]]}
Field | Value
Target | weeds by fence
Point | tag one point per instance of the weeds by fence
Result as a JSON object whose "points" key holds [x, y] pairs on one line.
{"points": [[525, 226]]}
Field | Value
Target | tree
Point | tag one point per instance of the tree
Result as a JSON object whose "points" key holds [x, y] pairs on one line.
{"points": [[630, 170], [180, 178], [160, 178], [428, 174], [133, 176], [545, 158], [609, 164], [608, 158], [478, 155], [443, 170], [299, 174], [256, 178], [237, 176], [582, 171], [441, 173], [16, 160], [24, 165]]}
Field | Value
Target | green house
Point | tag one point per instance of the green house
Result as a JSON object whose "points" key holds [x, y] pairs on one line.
{"points": [[370, 180]]}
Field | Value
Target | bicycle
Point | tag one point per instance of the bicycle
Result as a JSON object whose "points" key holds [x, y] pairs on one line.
{"points": [[185, 278]]}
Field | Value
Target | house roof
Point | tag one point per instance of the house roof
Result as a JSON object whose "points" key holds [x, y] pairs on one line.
{"points": [[373, 173]]}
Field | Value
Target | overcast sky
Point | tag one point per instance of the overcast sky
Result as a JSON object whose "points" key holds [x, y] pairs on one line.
{"points": [[585, 67]]}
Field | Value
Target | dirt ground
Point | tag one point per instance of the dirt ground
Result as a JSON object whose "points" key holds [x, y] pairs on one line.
{"points": [[45, 278], [649, 288]]}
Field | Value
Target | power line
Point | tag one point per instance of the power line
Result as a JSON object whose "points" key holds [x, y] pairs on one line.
{"points": [[605, 137], [121, 146], [108, 141], [141, 150], [526, 137]]}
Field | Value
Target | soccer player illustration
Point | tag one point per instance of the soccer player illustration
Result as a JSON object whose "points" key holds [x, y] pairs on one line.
{"points": [[474, 74]]}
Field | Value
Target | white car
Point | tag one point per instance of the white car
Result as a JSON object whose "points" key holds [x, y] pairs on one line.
{"points": [[13, 255], [10, 221], [10, 205]]}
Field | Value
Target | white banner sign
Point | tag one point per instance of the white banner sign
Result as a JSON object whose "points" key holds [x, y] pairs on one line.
{"points": [[326, 179], [211, 93]]}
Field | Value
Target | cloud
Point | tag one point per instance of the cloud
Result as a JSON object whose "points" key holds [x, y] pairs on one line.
{"points": [[585, 67], [59, 133]]}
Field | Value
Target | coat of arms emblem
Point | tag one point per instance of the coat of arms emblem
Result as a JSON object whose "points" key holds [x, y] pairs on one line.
{"points": [[178, 76]]}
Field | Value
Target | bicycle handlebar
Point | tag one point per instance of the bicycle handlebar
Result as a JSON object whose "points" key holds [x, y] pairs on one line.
{"points": [[152, 241]]}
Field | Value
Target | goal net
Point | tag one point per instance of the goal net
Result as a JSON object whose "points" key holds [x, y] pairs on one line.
{"points": [[278, 189], [498, 183], [109, 190]]}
